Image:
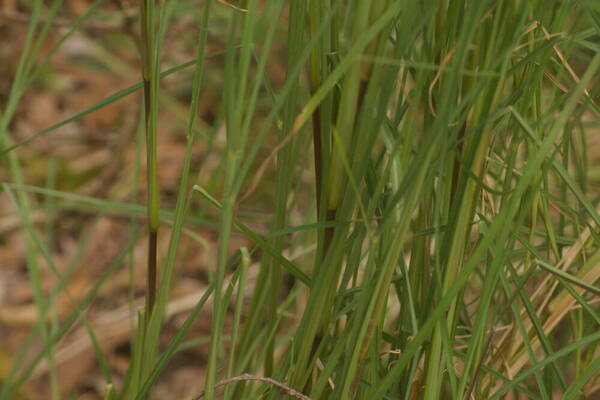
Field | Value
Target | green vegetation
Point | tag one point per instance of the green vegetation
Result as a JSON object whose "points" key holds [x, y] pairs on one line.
{"points": [[433, 200]]}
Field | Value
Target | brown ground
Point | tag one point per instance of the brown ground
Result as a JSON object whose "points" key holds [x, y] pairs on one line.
{"points": [[95, 157]]}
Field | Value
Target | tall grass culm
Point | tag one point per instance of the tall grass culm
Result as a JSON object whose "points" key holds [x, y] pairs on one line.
{"points": [[415, 182]]}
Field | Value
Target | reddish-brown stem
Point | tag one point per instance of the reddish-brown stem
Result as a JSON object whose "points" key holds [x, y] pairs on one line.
{"points": [[329, 231], [456, 169]]}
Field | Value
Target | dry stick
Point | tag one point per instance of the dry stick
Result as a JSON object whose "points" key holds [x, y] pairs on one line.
{"points": [[248, 377]]}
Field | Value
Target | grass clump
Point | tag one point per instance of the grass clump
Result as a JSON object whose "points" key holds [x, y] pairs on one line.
{"points": [[431, 226]]}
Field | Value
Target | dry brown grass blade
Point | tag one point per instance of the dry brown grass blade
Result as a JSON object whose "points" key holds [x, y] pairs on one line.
{"points": [[248, 377], [228, 4], [559, 308], [263, 166], [511, 344]]}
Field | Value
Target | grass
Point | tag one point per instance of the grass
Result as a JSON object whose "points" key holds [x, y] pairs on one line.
{"points": [[437, 239]]}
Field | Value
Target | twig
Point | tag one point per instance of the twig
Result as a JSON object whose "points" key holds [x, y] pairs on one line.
{"points": [[248, 377]]}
